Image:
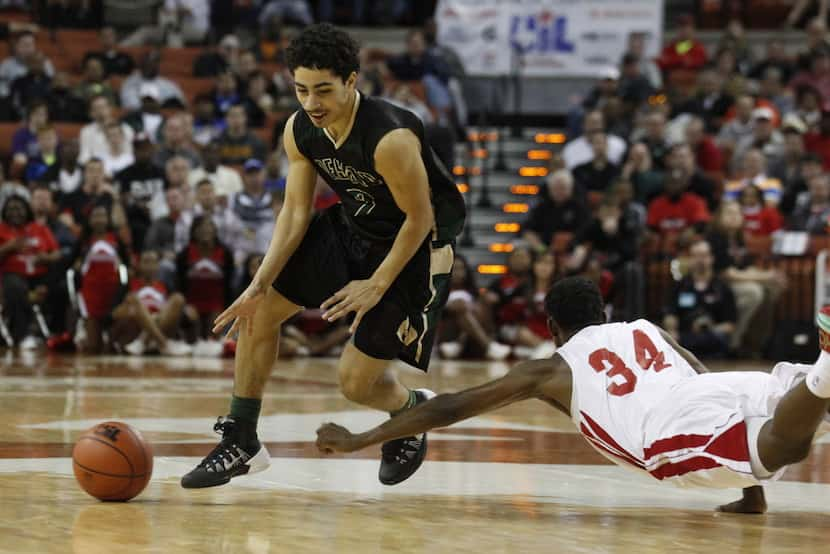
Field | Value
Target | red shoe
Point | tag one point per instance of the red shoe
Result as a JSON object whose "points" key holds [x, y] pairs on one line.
{"points": [[229, 350]]}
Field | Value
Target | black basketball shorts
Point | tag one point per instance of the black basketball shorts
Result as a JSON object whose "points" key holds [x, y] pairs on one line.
{"points": [[402, 325]]}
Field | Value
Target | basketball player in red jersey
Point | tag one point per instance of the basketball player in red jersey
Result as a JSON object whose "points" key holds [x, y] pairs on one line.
{"points": [[645, 403]]}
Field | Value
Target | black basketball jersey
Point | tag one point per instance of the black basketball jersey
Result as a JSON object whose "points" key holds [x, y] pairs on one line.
{"points": [[350, 170]]}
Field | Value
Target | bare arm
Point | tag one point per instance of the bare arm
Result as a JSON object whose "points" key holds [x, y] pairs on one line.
{"points": [[690, 358], [295, 215], [525, 381], [398, 160]]}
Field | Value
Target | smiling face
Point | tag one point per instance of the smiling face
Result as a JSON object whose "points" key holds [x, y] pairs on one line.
{"points": [[323, 95]]}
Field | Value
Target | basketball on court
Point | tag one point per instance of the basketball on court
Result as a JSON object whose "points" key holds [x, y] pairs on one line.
{"points": [[112, 461]]}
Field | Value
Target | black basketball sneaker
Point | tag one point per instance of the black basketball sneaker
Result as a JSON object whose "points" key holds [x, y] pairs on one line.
{"points": [[238, 453], [400, 458]]}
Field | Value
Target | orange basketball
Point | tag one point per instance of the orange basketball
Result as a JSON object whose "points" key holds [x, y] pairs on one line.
{"points": [[112, 461]]}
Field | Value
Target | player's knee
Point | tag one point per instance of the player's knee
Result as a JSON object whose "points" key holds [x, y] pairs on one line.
{"points": [[798, 453], [354, 386]]}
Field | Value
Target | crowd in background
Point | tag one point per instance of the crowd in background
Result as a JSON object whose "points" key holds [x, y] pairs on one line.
{"points": [[148, 223]]}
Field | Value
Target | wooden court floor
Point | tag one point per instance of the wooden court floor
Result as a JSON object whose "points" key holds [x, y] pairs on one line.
{"points": [[518, 480]]}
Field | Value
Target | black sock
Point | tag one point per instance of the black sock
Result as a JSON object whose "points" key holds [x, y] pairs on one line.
{"points": [[411, 401], [246, 410]]}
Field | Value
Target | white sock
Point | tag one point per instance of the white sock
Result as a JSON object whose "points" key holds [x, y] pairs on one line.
{"points": [[818, 378]]}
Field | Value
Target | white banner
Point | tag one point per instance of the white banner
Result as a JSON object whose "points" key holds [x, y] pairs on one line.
{"points": [[546, 37]]}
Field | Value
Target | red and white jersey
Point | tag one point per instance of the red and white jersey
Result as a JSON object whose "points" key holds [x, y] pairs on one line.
{"points": [[151, 294], [641, 405]]}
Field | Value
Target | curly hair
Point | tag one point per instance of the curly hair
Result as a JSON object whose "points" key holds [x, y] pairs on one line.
{"points": [[323, 46], [574, 303]]}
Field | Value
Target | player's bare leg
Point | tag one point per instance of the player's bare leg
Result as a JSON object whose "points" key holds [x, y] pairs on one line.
{"points": [[370, 382], [240, 452]]}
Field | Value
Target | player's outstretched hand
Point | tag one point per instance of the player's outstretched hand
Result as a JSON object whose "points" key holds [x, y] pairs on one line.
{"points": [[241, 312], [357, 296], [335, 438]]}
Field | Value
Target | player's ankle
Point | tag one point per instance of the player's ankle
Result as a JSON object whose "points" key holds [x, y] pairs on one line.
{"points": [[245, 411]]}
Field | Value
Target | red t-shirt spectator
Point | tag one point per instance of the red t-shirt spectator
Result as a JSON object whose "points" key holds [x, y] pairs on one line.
{"points": [[708, 156], [205, 280], [39, 240], [819, 145], [100, 281], [682, 54], [673, 216], [762, 221]]}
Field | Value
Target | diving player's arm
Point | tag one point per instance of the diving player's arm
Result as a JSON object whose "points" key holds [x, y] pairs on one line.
{"points": [[295, 215], [398, 160], [690, 358], [533, 379]]}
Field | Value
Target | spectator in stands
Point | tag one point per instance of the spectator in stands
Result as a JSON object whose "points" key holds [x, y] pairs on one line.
{"points": [[169, 234], [612, 238], [39, 167], [505, 301], [634, 88], [402, 96], [558, 210], [207, 125], [685, 52], [94, 82], [175, 175], [776, 56], [291, 11], [176, 142], [118, 156], [681, 160], [249, 212], [238, 144], [115, 61], [24, 140], [63, 104], [417, 64], [655, 137], [812, 210], [17, 65], [10, 188], [34, 85], [94, 136], [816, 40], [787, 167], [734, 40], [70, 174], [771, 89], [640, 171], [734, 131], [754, 172], [759, 218], [765, 137], [809, 167], [604, 89], [27, 250], [212, 63], [533, 339], [818, 75], [597, 175], [205, 271], [707, 155], [225, 179], [95, 190], [141, 187], [207, 204], [636, 46], [677, 209], [258, 99], [170, 95], [225, 93], [800, 7], [462, 332], [710, 102], [756, 290], [578, 150], [188, 21], [275, 172], [45, 213], [701, 311], [148, 118], [818, 141]]}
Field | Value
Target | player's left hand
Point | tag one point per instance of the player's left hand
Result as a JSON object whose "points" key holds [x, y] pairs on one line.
{"points": [[334, 438], [357, 296]]}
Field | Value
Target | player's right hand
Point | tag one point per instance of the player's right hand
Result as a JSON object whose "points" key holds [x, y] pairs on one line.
{"points": [[335, 438], [241, 312]]}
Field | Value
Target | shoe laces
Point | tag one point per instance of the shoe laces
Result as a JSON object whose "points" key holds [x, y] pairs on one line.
{"points": [[227, 450]]}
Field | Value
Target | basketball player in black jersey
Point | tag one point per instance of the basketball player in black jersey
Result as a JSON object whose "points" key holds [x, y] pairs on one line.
{"points": [[383, 254]]}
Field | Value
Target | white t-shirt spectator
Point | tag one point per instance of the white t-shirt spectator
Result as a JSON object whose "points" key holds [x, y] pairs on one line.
{"points": [[226, 181], [579, 151], [94, 142], [199, 16]]}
